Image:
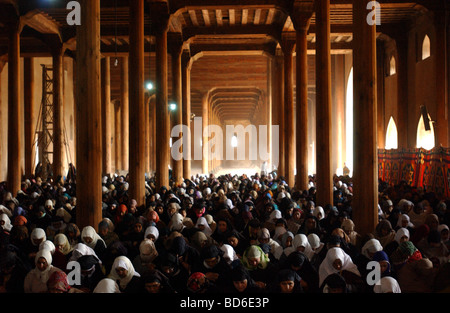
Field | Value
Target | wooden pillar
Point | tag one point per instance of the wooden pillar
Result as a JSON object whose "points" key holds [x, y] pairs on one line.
{"points": [[186, 100], [147, 132], [324, 175], [58, 112], [106, 116], [441, 123], [160, 15], [117, 136], [205, 123], [402, 91], [89, 133], [301, 24], [125, 111], [279, 76], [381, 70], [137, 103], [29, 116], [177, 172], [365, 173], [289, 129], [152, 104], [14, 111]]}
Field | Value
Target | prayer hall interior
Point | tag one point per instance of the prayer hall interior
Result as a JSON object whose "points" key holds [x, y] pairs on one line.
{"points": [[349, 83]]}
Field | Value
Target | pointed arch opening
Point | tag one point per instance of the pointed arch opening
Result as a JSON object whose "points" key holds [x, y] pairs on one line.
{"points": [[426, 47], [425, 138], [391, 135], [392, 66]]}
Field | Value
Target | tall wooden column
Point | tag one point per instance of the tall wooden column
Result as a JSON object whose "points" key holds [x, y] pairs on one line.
{"points": [[279, 77], [177, 173], [365, 173], [117, 136], [14, 111], [137, 103], [289, 130], [186, 100], [160, 16], [88, 125], [324, 176], [58, 111], [301, 22], [29, 116], [402, 90], [106, 115], [441, 123], [125, 111]]}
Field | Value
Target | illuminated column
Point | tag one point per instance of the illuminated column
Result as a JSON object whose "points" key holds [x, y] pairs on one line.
{"points": [[365, 174]]}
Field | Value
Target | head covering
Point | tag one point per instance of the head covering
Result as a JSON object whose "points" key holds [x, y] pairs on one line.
{"points": [[58, 280], [334, 281], [49, 245], [229, 254], [300, 240], [202, 221], [387, 284], [152, 230], [6, 222], [107, 285], [89, 232], [406, 218], [81, 249], [318, 210], [197, 282], [61, 240], [125, 263], [147, 251], [255, 251], [177, 222], [371, 246], [36, 234], [43, 275], [326, 267], [314, 241], [287, 275], [285, 237], [382, 256], [401, 232]]}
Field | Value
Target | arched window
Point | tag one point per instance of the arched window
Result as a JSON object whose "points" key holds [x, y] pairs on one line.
{"points": [[426, 47], [391, 135], [425, 138], [392, 66]]}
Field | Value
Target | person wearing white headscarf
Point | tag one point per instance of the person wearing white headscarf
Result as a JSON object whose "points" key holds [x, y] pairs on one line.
{"points": [[275, 247], [37, 236], [107, 285], [62, 244], [49, 245], [36, 279], [404, 221], [228, 253], [5, 222], [80, 249], [124, 274], [337, 261], [319, 213], [152, 233], [370, 247], [387, 284], [176, 223], [143, 262], [202, 225], [93, 240], [300, 243]]}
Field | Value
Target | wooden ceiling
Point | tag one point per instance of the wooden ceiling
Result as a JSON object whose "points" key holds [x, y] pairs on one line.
{"points": [[220, 28]]}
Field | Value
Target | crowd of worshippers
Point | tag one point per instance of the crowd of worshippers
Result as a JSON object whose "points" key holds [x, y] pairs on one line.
{"points": [[227, 234]]}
